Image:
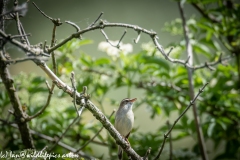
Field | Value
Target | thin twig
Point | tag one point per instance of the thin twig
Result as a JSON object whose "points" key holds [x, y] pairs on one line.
{"points": [[19, 27], [46, 105], [74, 25], [72, 78], [63, 134], [19, 36], [94, 135], [168, 54], [107, 39], [57, 21], [44, 148], [147, 153], [18, 60], [24, 33], [175, 122], [52, 53], [44, 46], [42, 12], [138, 37], [96, 20], [70, 125], [121, 39], [205, 14], [170, 141], [219, 61]]}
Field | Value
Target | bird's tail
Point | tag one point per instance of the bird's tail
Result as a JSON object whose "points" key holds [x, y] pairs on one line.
{"points": [[120, 153]]}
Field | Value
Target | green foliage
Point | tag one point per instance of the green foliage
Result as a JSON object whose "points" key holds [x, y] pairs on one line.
{"points": [[164, 89]]}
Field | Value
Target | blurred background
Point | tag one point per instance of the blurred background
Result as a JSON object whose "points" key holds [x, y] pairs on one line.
{"points": [[151, 15]]}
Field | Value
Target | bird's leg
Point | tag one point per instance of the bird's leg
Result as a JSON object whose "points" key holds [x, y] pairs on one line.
{"points": [[126, 138]]}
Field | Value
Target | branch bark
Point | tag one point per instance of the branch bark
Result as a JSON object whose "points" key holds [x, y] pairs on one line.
{"points": [[13, 96], [191, 84]]}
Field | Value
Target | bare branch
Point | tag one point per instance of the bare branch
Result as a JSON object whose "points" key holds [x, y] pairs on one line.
{"points": [[181, 115], [52, 44], [170, 142], [44, 148], [147, 153], [56, 22], [191, 84], [44, 45], [168, 54], [63, 134], [187, 60], [24, 34], [48, 17], [121, 39], [46, 105], [204, 14], [11, 91], [96, 20], [210, 64], [72, 78], [19, 36], [138, 37], [48, 86], [18, 60], [74, 25], [25, 47], [107, 39]]}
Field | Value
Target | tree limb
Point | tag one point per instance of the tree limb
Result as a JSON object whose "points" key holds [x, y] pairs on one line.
{"points": [[191, 84]]}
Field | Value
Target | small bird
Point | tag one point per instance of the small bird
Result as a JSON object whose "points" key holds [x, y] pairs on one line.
{"points": [[124, 120]]}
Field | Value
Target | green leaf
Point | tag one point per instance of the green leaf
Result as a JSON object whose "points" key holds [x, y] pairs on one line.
{"points": [[154, 60], [211, 129], [102, 61], [202, 49], [85, 42]]}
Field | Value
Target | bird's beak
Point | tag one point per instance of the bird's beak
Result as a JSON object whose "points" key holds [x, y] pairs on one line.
{"points": [[133, 100]]}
